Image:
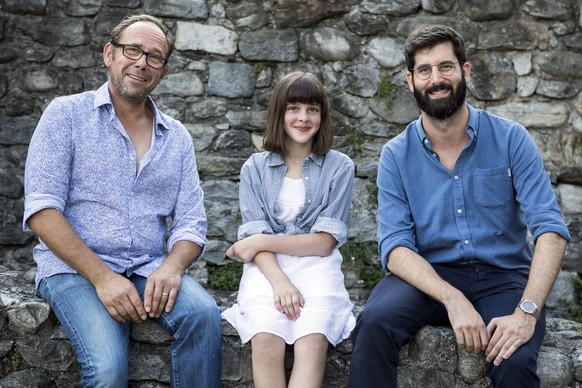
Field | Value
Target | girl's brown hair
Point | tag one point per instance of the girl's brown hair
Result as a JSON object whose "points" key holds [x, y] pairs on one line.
{"points": [[304, 88]]}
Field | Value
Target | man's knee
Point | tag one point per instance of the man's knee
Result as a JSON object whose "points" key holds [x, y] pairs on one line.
{"points": [[519, 370], [196, 311], [106, 370], [373, 321]]}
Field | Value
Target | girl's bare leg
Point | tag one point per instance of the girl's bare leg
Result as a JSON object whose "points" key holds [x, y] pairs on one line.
{"points": [[268, 354], [310, 353]]}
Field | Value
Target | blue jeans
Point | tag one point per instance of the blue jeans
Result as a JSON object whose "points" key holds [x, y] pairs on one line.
{"points": [[101, 342], [395, 311]]}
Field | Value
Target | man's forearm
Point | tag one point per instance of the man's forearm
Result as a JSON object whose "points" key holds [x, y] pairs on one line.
{"points": [[60, 237], [415, 270], [182, 255], [545, 266]]}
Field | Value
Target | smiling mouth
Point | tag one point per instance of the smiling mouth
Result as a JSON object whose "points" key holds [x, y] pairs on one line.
{"points": [[438, 91], [136, 78]]}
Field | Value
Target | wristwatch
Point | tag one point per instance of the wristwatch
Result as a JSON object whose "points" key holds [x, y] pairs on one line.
{"points": [[529, 307]]}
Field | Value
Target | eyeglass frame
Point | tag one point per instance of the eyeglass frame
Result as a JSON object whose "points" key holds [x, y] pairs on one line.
{"points": [[415, 70], [143, 52]]}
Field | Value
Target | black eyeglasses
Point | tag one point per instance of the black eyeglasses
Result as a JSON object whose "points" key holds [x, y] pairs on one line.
{"points": [[135, 53], [423, 72]]}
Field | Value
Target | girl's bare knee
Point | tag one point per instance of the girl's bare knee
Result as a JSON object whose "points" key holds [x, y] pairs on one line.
{"points": [[266, 345]]}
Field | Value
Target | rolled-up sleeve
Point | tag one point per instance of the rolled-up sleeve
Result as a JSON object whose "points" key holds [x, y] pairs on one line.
{"points": [[533, 188], [46, 178], [252, 202], [395, 224], [333, 218], [189, 217]]}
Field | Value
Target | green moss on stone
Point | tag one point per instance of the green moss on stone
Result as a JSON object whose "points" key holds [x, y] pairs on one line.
{"points": [[224, 277]]}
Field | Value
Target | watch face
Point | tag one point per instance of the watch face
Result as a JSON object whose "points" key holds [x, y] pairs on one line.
{"points": [[528, 306]]}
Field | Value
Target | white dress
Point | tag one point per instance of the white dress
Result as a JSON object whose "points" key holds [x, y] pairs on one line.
{"points": [[327, 309]]}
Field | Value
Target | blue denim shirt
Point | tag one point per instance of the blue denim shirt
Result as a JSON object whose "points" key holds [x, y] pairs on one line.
{"points": [[328, 181], [82, 162], [481, 210]]}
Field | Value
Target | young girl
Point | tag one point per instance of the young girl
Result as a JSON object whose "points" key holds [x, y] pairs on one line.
{"points": [[294, 200]]}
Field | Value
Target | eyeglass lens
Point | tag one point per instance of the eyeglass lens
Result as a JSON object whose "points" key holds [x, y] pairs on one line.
{"points": [[135, 53], [445, 68]]}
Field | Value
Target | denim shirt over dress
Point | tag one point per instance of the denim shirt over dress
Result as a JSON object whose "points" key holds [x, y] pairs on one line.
{"points": [[328, 181]]}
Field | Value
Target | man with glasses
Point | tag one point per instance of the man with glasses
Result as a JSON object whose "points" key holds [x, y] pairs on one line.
{"points": [[107, 175], [457, 192]]}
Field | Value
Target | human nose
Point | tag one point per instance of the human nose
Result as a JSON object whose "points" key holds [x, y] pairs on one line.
{"points": [[435, 74], [143, 60], [304, 115]]}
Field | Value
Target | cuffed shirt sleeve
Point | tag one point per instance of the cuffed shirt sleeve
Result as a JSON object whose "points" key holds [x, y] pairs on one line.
{"points": [[189, 217], [395, 223], [48, 164], [333, 218], [252, 202], [533, 188]]}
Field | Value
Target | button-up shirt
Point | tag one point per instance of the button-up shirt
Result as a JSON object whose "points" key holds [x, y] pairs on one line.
{"points": [[82, 162], [328, 181], [481, 210]]}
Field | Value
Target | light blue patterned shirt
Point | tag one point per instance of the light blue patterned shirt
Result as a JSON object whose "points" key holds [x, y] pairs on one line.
{"points": [[481, 210], [82, 162], [328, 182]]}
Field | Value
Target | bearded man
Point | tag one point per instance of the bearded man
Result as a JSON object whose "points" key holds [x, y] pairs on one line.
{"points": [[457, 192]]}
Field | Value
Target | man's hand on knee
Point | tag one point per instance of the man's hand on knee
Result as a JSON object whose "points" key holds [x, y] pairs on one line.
{"points": [[121, 299], [508, 333], [161, 290]]}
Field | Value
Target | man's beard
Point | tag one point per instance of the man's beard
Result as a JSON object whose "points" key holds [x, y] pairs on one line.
{"points": [[134, 96], [442, 108]]}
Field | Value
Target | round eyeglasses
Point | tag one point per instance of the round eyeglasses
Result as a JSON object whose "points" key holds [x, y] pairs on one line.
{"points": [[135, 53], [423, 72]]}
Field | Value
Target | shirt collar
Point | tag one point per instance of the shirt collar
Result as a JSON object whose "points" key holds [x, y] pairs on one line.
{"points": [[274, 159], [103, 98], [472, 127]]}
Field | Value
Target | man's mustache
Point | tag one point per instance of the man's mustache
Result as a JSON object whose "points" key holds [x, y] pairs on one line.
{"points": [[436, 88]]}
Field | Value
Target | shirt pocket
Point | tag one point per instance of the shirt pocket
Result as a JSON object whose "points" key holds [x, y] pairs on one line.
{"points": [[492, 187]]}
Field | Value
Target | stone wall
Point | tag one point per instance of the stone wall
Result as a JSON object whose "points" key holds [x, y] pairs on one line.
{"points": [[35, 351], [526, 58]]}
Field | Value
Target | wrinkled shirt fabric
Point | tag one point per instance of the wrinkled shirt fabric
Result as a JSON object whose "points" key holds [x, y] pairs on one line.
{"points": [[328, 181], [82, 162], [481, 210]]}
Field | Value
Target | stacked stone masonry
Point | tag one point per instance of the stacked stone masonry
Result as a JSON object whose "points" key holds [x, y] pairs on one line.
{"points": [[35, 351], [526, 61]]}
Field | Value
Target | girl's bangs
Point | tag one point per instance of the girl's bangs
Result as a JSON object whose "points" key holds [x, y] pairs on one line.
{"points": [[305, 91]]}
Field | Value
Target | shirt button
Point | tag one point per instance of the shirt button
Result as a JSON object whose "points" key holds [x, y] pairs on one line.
{"points": [[434, 155], [306, 178], [466, 242], [456, 177], [459, 211], [308, 201]]}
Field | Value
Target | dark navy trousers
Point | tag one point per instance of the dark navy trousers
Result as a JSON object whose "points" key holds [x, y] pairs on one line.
{"points": [[395, 311]]}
